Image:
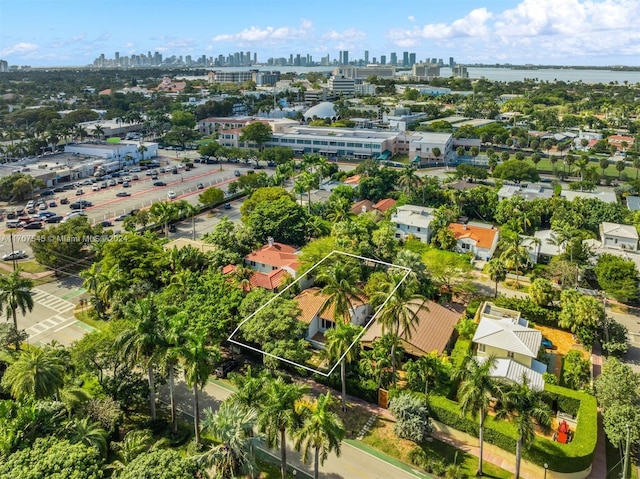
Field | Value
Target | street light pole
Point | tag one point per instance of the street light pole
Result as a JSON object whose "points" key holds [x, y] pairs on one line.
{"points": [[627, 452], [546, 466]]}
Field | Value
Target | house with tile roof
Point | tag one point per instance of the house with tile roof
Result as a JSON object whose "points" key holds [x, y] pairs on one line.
{"points": [[413, 221], [478, 239], [434, 331], [384, 204], [272, 264], [365, 206], [506, 335], [618, 236], [311, 302], [617, 140]]}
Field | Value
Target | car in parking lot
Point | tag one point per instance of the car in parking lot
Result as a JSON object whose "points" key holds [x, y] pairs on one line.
{"points": [[123, 194], [79, 205], [162, 170], [64, 201], [106, 224], [171, 195], [95, 187], [225, 368], [103, 184], [200, 186], [46, 193], [31, 210], [227, 206], [42, 207], [123, 216], [159, 183], [46, 214], [79, 192], [112, 182], [126, 184], [87, 183], [59, 189], [68, 187], [134, 178], [54, 219], [34, 225], [52, 204], [18, 254]]}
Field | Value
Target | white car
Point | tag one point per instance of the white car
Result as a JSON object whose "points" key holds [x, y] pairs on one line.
{"points": [[171, 195], [95, 187], [19, 254]]}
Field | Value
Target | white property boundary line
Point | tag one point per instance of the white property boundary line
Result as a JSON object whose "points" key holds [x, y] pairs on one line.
{"points": [[357, 338]]}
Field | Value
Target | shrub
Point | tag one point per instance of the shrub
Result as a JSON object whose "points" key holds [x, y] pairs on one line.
{"points": [[530, 310], [566, 458], [418, 457], [412, 418], [460, 352]]}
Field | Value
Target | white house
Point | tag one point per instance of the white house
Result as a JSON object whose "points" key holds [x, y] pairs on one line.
{"points": [[311, 302], [503, 333], [617, 236], [606, 196], [479, 240], [528, 192], [422, 144], [414, 221], [540, 246]]}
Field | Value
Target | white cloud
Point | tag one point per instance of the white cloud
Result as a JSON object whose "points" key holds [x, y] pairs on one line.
{"points": [[22, 48], [411, 18], [268, 34], [171, 44], [535, 30]]}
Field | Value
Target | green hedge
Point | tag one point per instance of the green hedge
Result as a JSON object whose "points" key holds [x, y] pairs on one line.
{"points": [[567, 458], [460, 352]]}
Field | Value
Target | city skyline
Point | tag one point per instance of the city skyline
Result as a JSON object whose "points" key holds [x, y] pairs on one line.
{"points": [[552, 32]]}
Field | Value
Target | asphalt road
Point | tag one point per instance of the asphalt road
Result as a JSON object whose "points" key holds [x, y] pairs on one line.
{"points": [[353, 463]]}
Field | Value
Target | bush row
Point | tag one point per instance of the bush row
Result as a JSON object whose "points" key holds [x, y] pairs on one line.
{"points": [[530, 310], [566, 458]]}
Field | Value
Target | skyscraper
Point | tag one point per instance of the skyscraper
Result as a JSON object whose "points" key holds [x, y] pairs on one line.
{"points": [[412, 59], [405, 59], [345, 57], [383, 59], [366, 57], [394, 59]]}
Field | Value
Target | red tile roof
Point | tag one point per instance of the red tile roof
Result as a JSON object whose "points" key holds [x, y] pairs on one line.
{"points": [[270, 281], [384, 204], [278, 254], [352, 180], [482, 236]]}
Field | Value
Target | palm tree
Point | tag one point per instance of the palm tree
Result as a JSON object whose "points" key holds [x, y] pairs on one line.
{"points": [[91, 283], [98, 131], [475, 394], [278, 415], [142, 343], [15, 294], [514, 254], [321, 430], [173, 338], [339, 279], [142, 149], [232, 430], [198, 360], [135, 442], [163, 213], [497, 271], [425, 368], [408, 180], [37, 372], [340, 346], [91, 434], [399, 310], [525, 408]]}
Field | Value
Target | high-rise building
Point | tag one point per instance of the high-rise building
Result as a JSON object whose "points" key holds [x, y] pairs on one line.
{"points": [[383, 59], [344, 57], [117, 56], [366, 56], [412, 59], [451, 62], [405, 59], [394, 59]]}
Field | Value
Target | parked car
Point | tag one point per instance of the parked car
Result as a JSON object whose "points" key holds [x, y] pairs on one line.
{"points": [[79, 192], [34, 225], [46, 193], [18, 254], [106, 224], [54, 219], [64, 201], [126, 184], [46, 214], [52, 204], [95, 187], [226, 367], [31, 210], [112, 182], [123, 194], [237, 173], [79, 205], [42, 207], [159, 183], [103, 185], [227, 206], [171, 195], [134, 177], [59, 189], [200, 186]]}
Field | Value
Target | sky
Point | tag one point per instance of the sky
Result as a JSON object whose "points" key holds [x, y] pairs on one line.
{"points": [[541, 32]]}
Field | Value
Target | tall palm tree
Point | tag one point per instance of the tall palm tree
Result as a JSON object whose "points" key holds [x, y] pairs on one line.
{"points": [[526, 409], [497, 272], [98, 131], [408, 180], [277, 415], [232, 429], [163, 212], [91, 434], [514, 254], [173, 338], [340, 346], [198, 360], [399, 310], [321, 430], [475, 394], [339, 279], [15, 295], [142, 150], [37, 373], [142, 343]]}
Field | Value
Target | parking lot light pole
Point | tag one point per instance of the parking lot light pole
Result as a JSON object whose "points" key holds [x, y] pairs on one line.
{"points": [[546, 466], [13, 256]]}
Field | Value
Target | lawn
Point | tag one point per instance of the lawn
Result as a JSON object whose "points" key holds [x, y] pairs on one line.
{"points": [[545, 166], [84, 316], [32, 267], [382, 437]]}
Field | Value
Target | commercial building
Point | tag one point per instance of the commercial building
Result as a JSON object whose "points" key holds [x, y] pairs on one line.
{"points": [[422, 146]]}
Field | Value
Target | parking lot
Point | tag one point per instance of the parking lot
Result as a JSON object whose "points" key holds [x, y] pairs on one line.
{"points": [[112, 202]]}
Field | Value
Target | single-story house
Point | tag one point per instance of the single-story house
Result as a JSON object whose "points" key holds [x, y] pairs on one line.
{"points": [[606, 196], [540, 246], [434, 331]]}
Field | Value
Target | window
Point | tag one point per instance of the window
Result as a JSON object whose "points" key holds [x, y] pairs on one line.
{"points": [[326, 324], [481, 348], [510, 354]]}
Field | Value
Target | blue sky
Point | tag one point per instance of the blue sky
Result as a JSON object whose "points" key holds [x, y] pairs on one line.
{"points": [[560, 32]]}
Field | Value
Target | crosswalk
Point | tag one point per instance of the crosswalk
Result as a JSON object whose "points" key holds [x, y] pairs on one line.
{"points": [[48, 324], [50, 301]]}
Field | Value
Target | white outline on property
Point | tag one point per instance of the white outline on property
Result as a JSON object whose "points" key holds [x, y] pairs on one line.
{"points": [[364, 329]]}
